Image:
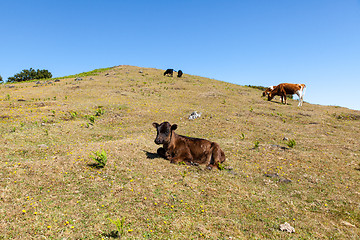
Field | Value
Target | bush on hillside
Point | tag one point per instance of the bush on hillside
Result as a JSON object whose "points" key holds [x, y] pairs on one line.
{"points": [[1, 80], [30, 74], [257, 87]]}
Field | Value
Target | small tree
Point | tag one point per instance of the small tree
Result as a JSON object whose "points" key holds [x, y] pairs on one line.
{"points": [[30, 74], [1, 80]]}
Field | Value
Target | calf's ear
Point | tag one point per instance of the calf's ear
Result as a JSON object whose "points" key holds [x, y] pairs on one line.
{"points": [[173, 127], [156, 125]]}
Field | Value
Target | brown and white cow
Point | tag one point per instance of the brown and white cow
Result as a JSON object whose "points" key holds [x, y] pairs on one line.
{"points": [[178, 148], [284, 89], [268, 90]]}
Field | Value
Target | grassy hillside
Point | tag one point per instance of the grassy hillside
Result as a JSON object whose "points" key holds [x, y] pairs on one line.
{"points": [[289, 164]]}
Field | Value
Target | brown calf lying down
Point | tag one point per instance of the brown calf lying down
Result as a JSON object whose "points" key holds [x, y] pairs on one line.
{"points": [[287, 88], [178, 148]]}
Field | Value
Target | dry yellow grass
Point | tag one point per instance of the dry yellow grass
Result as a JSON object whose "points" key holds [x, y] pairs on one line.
{"points": [[49, 191]]}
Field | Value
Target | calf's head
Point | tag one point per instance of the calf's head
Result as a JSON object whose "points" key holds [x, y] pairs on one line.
{"points": [[267, 91], [164, 132], [270, 96]]}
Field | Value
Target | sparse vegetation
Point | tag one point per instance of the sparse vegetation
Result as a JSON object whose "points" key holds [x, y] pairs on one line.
{"points": [[99, 111], [91, 119], [73, 114], [119, 224], [100, 158], [291, 143], [90, 73], [262, 88], [49, 189], [347, 116], [242, 136]]}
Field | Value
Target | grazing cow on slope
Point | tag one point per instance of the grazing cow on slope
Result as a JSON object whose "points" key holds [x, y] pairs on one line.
{"points": [[169, 72], [268, 90], [178, 148], [180, 73], [288, 88]]}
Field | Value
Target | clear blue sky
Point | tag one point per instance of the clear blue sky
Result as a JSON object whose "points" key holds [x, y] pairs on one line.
{"points": [[247, 42]]}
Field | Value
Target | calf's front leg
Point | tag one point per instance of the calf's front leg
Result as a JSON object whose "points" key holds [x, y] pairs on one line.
{"points": [[162, 152], [187, 159]]}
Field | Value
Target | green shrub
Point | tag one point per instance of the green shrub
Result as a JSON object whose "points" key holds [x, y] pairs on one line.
{"points": [[99, 111], [119, 224], [291, 143], [257, 87], [30, 74], [73, 115], [100, 158], [92, 119]]}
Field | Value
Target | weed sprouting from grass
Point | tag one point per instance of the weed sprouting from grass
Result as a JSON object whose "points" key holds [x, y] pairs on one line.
{"points": [[100, 158], [291, 143], [99, 111], [73, 115], [91, 119], [183, 174], [7, 97], [256, 144], [221, 166], [242, 136], [45, 119], [119, 224]]}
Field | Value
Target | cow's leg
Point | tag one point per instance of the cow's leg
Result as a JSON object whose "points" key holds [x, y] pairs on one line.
{"points": [[186, 158], [216, 156], [301, 96], [162, 152]]}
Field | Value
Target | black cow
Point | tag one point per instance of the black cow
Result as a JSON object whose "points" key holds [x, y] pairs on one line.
{"points": [[180, 73], [169, 72]]}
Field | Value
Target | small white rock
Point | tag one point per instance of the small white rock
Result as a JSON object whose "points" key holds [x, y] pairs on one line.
{"points": [[286, 227]]}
